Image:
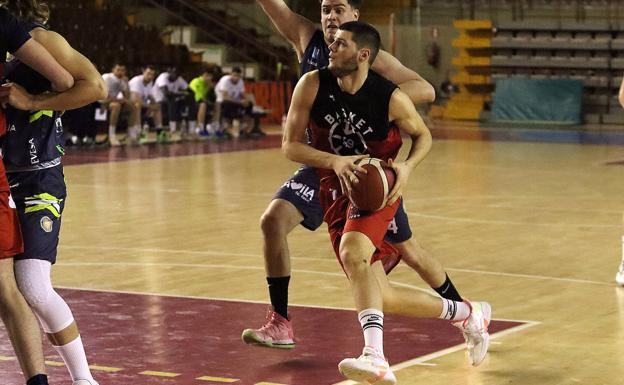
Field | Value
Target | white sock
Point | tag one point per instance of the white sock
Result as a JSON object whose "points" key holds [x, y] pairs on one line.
{"points": [[372, 326], [454, 311], [172, 126], [192, 127], [75, 359], [111, 131]]}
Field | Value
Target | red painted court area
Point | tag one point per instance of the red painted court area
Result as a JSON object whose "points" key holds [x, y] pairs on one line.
{"points": [[158, 340]]}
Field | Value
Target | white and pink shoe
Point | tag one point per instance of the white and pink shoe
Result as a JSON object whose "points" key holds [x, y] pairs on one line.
{"points": [[276, 333], [371, 367], [475, 330]]}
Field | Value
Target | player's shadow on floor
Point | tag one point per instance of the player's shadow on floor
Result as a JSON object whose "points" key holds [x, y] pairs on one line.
{"points": [[300, 364]]}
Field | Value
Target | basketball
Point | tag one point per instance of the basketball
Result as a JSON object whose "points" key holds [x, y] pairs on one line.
{"points": [[371, 192]]}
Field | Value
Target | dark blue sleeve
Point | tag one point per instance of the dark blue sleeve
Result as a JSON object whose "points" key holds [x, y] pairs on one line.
{"points": [[13, 35]]}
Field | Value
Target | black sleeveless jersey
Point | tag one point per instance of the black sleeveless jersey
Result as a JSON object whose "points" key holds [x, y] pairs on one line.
{"points": [[316, 54], [346, 124], [34, 138], [12, 36]]}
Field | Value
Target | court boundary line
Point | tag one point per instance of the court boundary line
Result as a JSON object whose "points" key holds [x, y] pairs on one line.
{"points": [[249, 255], [147, 293], [422, 360]]}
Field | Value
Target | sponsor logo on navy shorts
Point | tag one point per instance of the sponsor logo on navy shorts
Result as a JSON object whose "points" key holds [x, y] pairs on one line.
{"points": [[302, 190]]}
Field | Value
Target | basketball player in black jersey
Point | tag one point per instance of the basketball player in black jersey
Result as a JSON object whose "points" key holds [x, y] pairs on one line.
{"points": [[297, 202], [32, 151], [363, 111]]}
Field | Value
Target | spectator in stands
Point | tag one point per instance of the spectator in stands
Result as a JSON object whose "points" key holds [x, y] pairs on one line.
{"points": [[141, 94], [203, 90], [171, 91], [447, 88], [233, 106], [118, 99]]}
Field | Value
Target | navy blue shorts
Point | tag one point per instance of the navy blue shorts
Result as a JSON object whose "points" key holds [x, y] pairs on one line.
{"points": [[302, 191], [40, 198]]}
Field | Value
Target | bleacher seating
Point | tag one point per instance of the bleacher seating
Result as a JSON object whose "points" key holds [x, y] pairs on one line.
{"points": [[104, 36]]}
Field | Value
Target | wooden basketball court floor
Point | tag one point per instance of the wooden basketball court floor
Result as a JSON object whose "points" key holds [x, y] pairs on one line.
{"points": [[160, 257]]}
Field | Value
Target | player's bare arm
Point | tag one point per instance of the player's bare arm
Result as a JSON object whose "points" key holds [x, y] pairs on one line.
{"points": [[34, 55], [621, 93], [407, 119], [293, 143], [418, 89], [293, 27], [88, 87]]}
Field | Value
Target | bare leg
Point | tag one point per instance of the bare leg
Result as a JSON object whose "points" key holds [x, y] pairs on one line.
{"points": [[115, 109], [406, 302], [278, 220], [20, 323], [201, 115], [356, 249], [419, 259]]}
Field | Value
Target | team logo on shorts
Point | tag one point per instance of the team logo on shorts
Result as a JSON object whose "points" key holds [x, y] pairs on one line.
{"points": [[302, 190], [46, 224]]}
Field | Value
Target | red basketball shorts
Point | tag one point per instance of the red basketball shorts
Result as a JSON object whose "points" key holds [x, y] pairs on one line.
{"points": [[10, 235], [342, 217]]}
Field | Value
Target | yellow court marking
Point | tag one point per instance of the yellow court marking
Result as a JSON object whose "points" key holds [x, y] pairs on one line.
{"points": [[217, 379], [105, 368], [54, 363], [6, 358], [159, 374], [268, 383]]}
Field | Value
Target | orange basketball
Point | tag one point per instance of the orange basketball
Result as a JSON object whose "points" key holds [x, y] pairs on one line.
{"points": [[371, 192]]}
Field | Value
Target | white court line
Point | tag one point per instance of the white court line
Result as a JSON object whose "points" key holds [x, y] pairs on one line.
{"points": [[147, 293], [231, 267], [540, 277], [510, 223], [173, 190], [223, 253], [559, 197]]}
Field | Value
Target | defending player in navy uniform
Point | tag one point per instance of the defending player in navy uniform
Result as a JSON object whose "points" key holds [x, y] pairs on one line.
{"points": [[351, 110], [19, 320], [33, 150], [297, 200]]}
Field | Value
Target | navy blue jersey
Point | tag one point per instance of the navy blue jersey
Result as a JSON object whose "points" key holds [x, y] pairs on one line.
{"points": [[12, 36], [316, 54], [12, 33], [34, 138]]}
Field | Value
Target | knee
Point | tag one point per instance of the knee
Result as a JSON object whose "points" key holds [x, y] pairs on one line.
{"points": [[352, 262], [271, 222], [33, 281], [35, 293]]}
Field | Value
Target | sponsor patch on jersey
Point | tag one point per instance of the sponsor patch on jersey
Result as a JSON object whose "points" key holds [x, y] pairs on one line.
{"points": [[46, 224]]}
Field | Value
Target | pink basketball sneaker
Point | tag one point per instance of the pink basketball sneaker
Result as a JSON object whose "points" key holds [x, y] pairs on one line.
{"points": [[276, 333]]}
